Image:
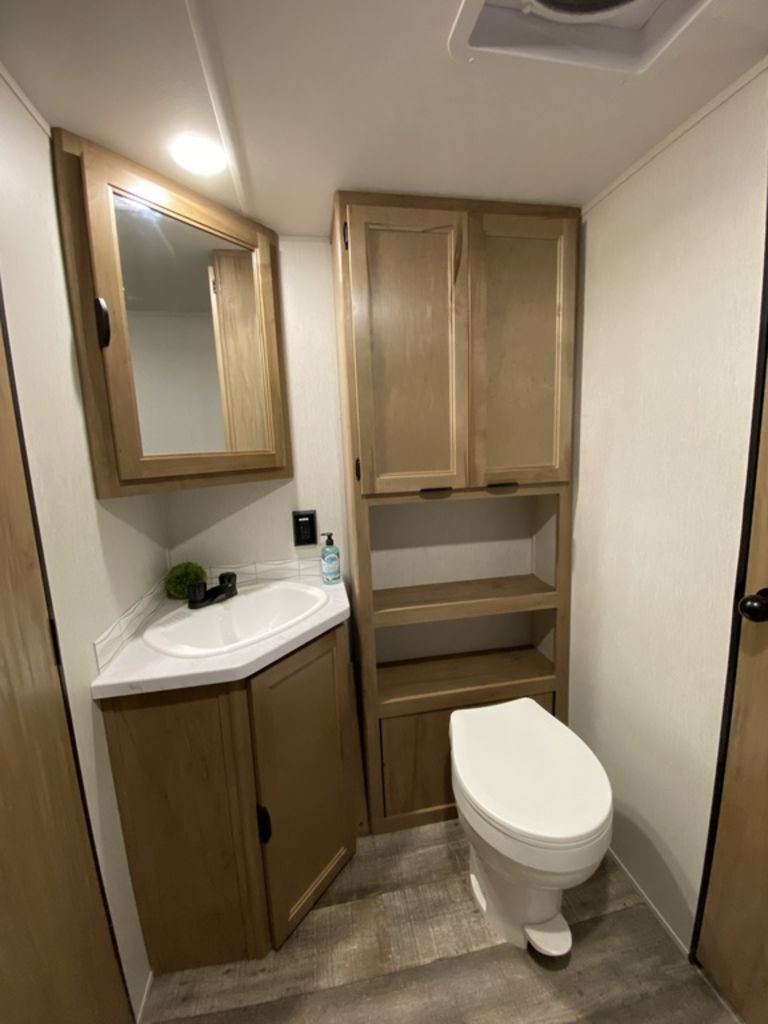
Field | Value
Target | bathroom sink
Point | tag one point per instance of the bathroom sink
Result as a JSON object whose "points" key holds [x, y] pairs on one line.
{"points": [[256, 613]]}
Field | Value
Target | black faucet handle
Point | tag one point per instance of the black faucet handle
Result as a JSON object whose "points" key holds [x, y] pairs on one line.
{"points": [[228, 580], [196, 591]]}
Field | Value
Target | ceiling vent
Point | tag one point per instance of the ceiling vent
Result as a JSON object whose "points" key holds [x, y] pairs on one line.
{"points": [[618, 35]]}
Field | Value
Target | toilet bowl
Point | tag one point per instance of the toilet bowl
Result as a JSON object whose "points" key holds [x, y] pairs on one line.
{"points": [[537, 808]]}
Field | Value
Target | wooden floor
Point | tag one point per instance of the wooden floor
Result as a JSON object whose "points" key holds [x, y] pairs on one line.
{"points": [[398, 939]]}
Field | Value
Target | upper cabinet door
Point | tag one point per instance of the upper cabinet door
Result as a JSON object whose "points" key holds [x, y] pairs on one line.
{"points": [[409, 292], [523, 298], [186, 293]]}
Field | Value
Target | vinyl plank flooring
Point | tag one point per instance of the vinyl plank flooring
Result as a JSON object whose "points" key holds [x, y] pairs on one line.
{"points": [[623, 969], [334, 946], [404, 905], [400, 859]]}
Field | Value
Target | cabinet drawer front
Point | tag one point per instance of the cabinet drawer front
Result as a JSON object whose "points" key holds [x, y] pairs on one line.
{"points": [[409, 284], [523, 309], [416, 754]]}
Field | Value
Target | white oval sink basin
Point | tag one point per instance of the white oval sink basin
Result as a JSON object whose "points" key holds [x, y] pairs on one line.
{"points": [[256, 613]]}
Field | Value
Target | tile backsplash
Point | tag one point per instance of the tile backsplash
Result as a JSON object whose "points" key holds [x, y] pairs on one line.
{"points": [[120, 632], [113, 639]]}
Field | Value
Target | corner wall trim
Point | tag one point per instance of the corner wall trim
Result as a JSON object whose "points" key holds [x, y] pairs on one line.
{"points": [[24, 100], [676, 134]]}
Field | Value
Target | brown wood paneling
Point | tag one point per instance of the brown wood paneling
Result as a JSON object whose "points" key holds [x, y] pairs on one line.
{"points": [[183, 772], [297, 714], [417, 760], [58, 963]]}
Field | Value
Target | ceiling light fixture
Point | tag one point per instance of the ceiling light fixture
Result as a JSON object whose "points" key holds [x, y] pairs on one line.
{"points": [[198, 154]]}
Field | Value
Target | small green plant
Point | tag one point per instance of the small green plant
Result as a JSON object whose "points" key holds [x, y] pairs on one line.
{"points": [[179, 578]]}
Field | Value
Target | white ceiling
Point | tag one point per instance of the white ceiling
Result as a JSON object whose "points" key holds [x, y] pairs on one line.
{"points": [[327, 94]]}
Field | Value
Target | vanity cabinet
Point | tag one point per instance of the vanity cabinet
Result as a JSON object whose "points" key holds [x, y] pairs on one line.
{"points": [[460, 323], [236, 802], [175, 310]]}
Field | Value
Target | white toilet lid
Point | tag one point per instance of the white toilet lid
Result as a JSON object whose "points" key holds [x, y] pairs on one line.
{"points": [[528, 774]]}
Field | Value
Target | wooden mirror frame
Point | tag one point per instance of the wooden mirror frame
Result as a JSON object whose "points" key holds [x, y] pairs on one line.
{"points": [[87, 176]]}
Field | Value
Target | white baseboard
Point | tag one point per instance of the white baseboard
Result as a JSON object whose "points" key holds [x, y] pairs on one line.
{"points": [[662, 920], [144, 998]]}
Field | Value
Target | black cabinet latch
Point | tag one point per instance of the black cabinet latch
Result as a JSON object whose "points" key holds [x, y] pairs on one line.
{"points": [[264, 822], [357, 469]]}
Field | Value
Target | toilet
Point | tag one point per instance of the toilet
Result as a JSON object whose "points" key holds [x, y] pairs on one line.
{"points": [[537, 808]]}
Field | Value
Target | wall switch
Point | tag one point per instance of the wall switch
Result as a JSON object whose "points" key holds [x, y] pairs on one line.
{"points": [[304, 528]]}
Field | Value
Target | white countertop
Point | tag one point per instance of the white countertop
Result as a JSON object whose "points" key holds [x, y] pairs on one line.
{"points": [[137, 668]]}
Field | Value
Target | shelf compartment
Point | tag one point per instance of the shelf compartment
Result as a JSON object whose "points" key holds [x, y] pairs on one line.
{"points": [[435, 602], [428, 684]]}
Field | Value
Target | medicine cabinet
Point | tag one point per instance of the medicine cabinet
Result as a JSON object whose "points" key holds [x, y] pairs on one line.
{"points": [[175, 306]]}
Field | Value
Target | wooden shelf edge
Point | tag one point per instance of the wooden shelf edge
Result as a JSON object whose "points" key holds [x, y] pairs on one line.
{"points": [[464, 599], [463, 680], [522, 490]]}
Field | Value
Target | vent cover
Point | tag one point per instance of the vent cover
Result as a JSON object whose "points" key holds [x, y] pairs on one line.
{"points": [[580, 7], [619, 35]]}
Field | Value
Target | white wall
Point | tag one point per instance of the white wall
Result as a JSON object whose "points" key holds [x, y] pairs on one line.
{"points": [[100, 557], [252, 522], [177, 382], [671, 308]]}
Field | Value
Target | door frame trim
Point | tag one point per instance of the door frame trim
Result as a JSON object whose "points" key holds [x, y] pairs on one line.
{"points": [[758, 402], [6, 353]]}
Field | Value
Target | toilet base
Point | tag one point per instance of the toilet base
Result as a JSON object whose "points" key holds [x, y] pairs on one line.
{"points": [[519, 914]]}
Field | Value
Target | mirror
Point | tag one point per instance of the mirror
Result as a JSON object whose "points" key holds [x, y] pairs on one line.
{"points": [[195, 334], [179, 340]]}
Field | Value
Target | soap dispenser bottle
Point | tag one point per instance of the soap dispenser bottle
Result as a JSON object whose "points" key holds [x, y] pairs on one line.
{"points": [[330, 565]]}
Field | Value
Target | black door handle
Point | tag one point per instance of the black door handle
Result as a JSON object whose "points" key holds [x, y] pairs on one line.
{"points": [[755, 606], [103, 328]]}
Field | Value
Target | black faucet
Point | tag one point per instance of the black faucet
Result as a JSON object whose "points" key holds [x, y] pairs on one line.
{"points": [[199, 596]]}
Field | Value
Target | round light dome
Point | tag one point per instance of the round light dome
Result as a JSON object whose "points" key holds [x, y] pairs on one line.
{"points": [[198, 154]]}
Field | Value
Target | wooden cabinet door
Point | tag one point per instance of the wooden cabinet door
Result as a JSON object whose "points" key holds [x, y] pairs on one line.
{"points": [[183, 772], [523, 270], [416, 764], [298, 707], [409, 291]]}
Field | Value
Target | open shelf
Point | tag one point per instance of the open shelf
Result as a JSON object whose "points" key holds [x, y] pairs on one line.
{"points": [[427, 684], [433, 602]]}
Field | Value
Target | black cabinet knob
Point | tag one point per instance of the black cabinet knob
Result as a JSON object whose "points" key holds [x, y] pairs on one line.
{"points": [[755, 606]]}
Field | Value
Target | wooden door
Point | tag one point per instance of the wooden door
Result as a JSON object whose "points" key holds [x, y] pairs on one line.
{"points": [[523, 271], [733, 943], [58, 961], [183, 771], [409, 290], [298, 712], [240, 352]]}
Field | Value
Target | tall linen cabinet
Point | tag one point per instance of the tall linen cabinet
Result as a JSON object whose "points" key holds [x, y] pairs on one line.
{"points": [[456, 333]]}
